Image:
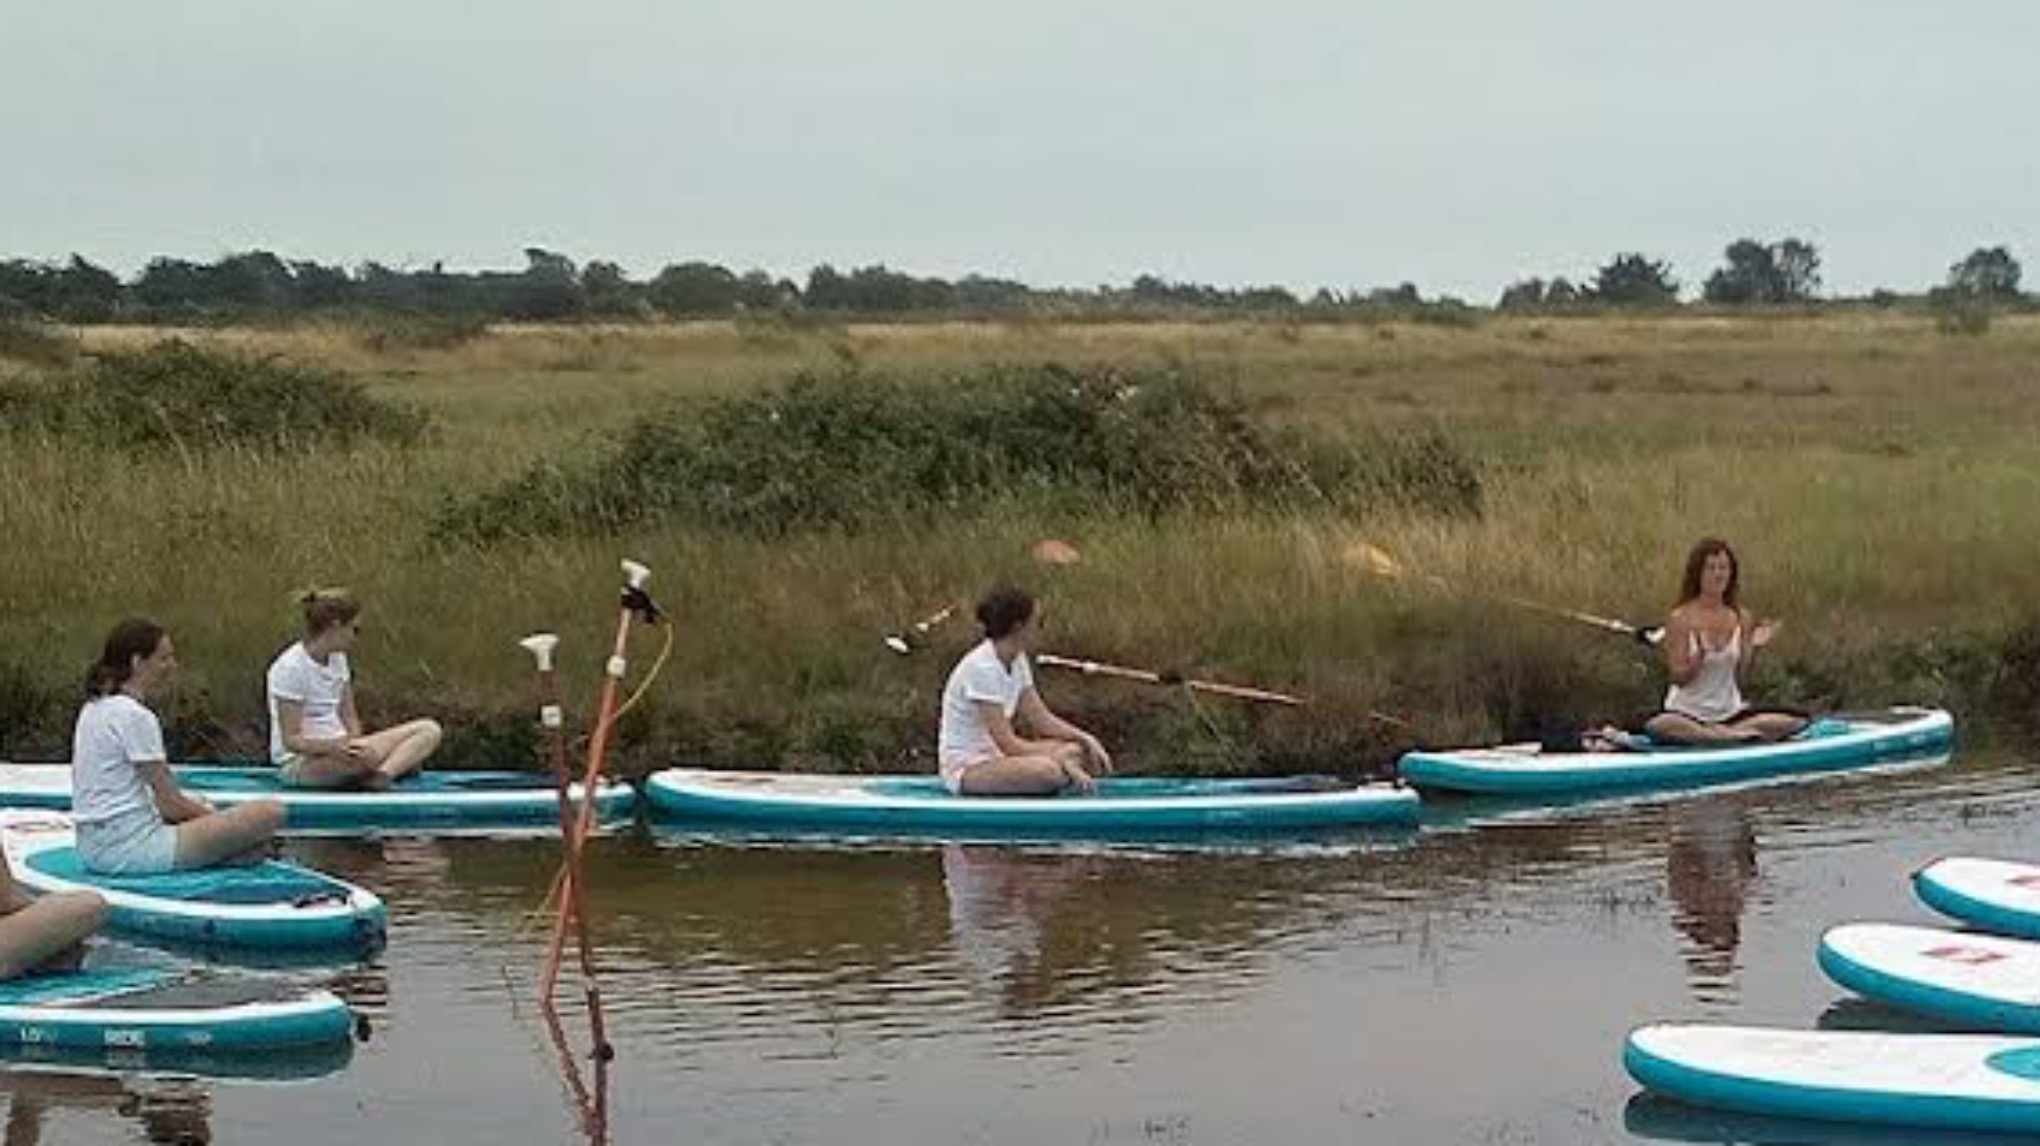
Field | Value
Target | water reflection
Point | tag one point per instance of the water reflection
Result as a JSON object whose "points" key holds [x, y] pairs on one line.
{"points": [[1710, 867], [1018, 923], [167, 1111], [1656, 1119]]}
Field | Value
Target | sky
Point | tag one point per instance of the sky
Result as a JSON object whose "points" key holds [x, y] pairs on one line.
{"points": [[1307, 143]]}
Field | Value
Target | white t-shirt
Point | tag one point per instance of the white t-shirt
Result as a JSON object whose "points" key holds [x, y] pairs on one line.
{"points": [[114, 734], [319, 688], [979, 676]]}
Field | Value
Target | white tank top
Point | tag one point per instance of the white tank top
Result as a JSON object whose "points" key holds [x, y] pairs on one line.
{"points": [[1712, 695]]}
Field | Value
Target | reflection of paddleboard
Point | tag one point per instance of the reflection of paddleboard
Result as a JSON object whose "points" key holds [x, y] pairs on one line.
{"points": [[1959, 1082], [1831, 744], [1658, 1119], [425, 802], [1122, 807], [1977, 980], [150, 1008], [267, 904], [1992, 894]]}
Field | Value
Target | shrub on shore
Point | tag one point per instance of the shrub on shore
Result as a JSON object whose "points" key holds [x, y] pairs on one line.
{"points": [[177, 395], [847, 450]]}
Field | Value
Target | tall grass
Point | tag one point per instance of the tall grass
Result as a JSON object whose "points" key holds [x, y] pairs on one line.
{"points": [[1876, 476]]}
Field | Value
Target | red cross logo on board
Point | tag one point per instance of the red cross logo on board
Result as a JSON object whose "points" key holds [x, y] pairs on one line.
{"points": [[2029, 880], [1968, 956]]}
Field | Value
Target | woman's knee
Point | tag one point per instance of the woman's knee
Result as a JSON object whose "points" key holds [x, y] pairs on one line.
{"points": [[80, 912]]}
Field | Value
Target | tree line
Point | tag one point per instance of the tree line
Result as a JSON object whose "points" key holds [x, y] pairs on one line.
{"points": [[551, 287]]}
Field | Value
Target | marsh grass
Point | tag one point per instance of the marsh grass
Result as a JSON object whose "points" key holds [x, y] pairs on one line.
{"points": [[1877, 477]]}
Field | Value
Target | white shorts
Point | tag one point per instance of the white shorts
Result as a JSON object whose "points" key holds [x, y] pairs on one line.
{"points": [[132, 845], [953, 770]]}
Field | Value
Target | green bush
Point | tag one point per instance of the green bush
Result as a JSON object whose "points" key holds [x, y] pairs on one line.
{"points": [[850, 450], [177, 395]]}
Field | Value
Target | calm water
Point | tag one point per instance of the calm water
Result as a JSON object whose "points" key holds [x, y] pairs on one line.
{"points": [[1471, 983]]}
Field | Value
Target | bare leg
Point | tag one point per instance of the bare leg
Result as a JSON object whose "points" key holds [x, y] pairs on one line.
{"points": [[1676, 729], [1774, 726], [1016, 776], [331, 771], [48, 931], [228, 835], [400, 750]]}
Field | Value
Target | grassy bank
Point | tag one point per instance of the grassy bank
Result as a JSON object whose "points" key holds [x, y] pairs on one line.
{"points": [[1878, 476]]}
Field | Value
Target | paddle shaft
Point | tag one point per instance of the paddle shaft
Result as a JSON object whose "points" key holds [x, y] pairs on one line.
{"points": [[1650, 636], [1148, 676]]}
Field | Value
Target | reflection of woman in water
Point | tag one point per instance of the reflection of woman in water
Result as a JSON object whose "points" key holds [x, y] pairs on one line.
{"points": [[1003, 912], [178, 1112], [1710, 865]]}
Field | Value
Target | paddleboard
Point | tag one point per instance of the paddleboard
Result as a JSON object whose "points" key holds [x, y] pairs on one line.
{"points": [[1982, 981], [1956, 1082], [1995, 895], [1122, 807], [267, 904], [425, 802], [158, 1009], [1831, 744]]}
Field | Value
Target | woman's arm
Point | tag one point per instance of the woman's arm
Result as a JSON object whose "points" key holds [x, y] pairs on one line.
{"points": [[349, 715], [1035, 712], [290, 716], [174, 804], [1009, 740], [1680, 663]]}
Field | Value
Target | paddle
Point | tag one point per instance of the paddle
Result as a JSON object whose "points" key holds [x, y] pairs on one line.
{"points": [[1149, 676], [1049, 551], [1375, 560]]}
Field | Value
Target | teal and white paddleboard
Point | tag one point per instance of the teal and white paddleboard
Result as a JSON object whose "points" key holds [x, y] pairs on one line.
{"points": [[1982, 981], [158, 1009], [1122, 807], [435, 802], [269, 904], [1956, 1082], [1832, 744], [1996, 895]]}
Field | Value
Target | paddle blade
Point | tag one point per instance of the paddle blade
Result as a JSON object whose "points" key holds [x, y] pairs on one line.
{"points": [[1053, 551], [1372, 558]]}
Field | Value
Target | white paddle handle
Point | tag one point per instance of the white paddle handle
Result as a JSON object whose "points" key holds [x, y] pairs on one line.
{"points": [[635, 574], [541, 646]]}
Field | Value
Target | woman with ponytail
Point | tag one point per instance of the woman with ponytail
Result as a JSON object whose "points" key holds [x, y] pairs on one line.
{"points": [[991, 693], [315, 731], [131, 816]]}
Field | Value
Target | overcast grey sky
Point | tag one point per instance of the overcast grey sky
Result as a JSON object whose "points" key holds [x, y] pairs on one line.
{"points": [[1306, 142]]}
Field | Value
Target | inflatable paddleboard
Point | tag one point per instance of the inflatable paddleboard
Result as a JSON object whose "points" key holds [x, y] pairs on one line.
{"points": [[1995, 895], [1981, 981], [1955, 1082], [423, 802], [267, 904], [1831, 744], [157, 1009], [1128, 807]]}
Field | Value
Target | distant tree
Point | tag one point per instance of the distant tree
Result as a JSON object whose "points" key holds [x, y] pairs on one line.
{"points": [[1524, 294], [695, 288], [1758, 275], [1989, 273], [1798, 263], [550, 288], [320, 287], [610, 292], [1560, 293], [1635, 280]]}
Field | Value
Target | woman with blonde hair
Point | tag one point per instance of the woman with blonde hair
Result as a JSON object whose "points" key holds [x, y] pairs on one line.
{"points": [[315, 731]]}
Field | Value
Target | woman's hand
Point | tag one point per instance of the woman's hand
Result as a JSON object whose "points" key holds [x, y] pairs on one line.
{"points": [[1763, 632], [1094, 751], [1079, 779]]}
